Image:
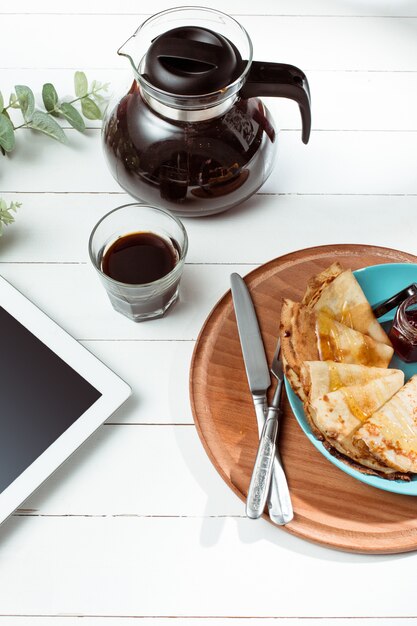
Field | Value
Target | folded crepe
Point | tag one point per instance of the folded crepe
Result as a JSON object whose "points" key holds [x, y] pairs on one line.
{"points": [[390, 435], [337, 293], [339, 414], [335, 356], [310, 336], [320, 377]]}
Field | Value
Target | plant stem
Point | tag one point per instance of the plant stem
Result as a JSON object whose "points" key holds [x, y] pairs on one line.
{"points": [[22, 125], [56, 107], [90, 93]]}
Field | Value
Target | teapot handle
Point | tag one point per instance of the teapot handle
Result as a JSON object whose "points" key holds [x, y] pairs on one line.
{"points": [[280, 80]]}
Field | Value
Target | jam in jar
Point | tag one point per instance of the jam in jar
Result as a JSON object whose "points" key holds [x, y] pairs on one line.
{"points": [[403, 333]]}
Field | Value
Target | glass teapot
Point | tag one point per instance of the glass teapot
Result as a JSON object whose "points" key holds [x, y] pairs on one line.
{"points": [[191, 134]]}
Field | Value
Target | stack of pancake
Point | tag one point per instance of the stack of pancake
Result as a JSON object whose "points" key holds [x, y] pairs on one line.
{"points": [[336, 356]]}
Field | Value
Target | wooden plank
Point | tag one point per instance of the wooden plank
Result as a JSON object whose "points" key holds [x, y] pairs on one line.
{"points": [[342, 43], [145, 471], [377, 8], [55, 227], [67, 620], [346, 163], [367, 163], [355, 101], [159, 566], [341, 100], [74, 297], [157, 372]]}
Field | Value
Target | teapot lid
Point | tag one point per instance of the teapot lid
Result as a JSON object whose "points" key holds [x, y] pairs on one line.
{"points": [[191, 60]]}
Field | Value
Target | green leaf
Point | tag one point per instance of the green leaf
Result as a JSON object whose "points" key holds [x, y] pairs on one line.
{"points": [[13, 101], [7, 139], [1, 102], [71, 114], [99, 99], [80, 84], [26, 100], [96, 86], [45, 123], [6, 217], [90, 109], [49, 96]]}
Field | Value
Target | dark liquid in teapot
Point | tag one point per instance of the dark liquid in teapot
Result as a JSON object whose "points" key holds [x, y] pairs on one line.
{"points": [[190, 168], [139, 258]]}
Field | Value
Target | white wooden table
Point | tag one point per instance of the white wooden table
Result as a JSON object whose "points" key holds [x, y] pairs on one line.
{"points": [[137, 524]]}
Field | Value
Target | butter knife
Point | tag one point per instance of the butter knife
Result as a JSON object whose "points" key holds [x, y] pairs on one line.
{"points": [[259, 380]]}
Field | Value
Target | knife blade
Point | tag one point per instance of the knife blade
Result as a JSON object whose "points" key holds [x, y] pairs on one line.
{"points": [[259, 379], [256, 365]]}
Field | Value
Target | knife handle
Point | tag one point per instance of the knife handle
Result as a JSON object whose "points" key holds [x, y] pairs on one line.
{"points": [[262, 470], [261, 411], [279, 500]]}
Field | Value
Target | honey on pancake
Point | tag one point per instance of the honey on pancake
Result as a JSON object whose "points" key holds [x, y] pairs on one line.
{"points": [[346, 315], [328, 344], [362, 413], [395, 428], [335, 382], [354, 407], [366, 354], [360, 349], [349, 315]]}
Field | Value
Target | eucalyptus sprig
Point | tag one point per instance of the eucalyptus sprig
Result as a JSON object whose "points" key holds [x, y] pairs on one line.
{"points": [[6, 216], [89, 97]]}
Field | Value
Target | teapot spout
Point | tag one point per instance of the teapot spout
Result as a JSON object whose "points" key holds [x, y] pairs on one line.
{"points": [[129, 50]]}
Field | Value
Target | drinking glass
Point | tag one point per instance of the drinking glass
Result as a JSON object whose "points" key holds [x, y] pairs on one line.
{"points": [[140, 302]]}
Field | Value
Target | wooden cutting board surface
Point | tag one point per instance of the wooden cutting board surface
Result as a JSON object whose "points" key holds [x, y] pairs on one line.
{"points": [[330, 507]]}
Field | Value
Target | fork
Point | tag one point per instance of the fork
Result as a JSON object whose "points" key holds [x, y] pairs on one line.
{"points": [[268, 465]]}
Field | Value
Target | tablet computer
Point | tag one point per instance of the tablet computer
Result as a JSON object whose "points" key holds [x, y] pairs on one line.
{"points": [[53, 395]]}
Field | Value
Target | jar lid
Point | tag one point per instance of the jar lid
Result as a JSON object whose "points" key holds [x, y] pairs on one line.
{"points": [[387, 305], [190, 60]]}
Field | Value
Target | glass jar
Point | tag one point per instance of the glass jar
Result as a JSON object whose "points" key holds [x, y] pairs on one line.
{"points": [[403, 332]]}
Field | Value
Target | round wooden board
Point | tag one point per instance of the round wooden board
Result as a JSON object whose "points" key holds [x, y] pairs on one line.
{"points": [[330, 507]]}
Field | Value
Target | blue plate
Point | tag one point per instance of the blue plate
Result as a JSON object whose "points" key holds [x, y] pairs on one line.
{"points": [[379, 282]]}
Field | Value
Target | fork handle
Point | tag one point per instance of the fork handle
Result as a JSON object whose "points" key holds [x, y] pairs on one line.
{"points": [[262, 470], [279, 500]]}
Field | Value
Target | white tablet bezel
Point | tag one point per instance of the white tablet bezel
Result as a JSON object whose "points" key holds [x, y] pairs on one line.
{"points": [[113, 389]]}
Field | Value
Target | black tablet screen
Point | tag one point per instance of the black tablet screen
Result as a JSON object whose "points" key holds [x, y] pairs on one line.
{"points": [[40, 397]]}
